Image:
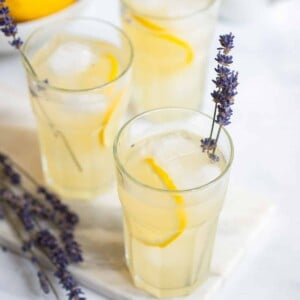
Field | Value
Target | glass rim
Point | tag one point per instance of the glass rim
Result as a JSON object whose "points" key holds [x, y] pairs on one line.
{"points": [[120, 165], [42, 83], [171, 18]]}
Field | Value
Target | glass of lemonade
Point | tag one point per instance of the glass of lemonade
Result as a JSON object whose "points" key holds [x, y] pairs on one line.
{"points": [[171, 39], [78, 76], [172, 195]]}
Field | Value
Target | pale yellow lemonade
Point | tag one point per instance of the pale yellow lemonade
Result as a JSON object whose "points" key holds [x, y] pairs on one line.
{"points": [[76, 128], [169, 236], [170, 52]]}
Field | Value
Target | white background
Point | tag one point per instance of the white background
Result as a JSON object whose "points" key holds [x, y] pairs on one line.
{"points": [[265, 130]]}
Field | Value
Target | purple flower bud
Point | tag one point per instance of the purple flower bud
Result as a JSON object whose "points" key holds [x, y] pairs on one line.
{"points": [[226, 42], [207, 144], [43, 282], [17, 43], [3, 158], [4, 10], [213, 157], [223, 59], [72, 248]]}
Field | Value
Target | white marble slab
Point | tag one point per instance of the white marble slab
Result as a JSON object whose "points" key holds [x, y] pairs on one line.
{"points": [[100, 233], [100, 230]]}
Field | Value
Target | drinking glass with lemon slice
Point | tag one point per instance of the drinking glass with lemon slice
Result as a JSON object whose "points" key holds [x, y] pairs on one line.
{"points": [[172, 195], [171, 41], [78, 81]]}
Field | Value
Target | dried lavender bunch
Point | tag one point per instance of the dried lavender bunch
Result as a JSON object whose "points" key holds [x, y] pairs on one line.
{"points": [[226, 84], [28, 207]]}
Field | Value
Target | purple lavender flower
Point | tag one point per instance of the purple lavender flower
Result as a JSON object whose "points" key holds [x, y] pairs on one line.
{"points": [[43, 282], [26, 218], [11, 174], [224, 59], [3, 157], [226, 84], [27, 245], [226, 42], [69, 284], [8, 26], [207, 144], [213, 157], [72, 248], [69, 218], [49, 244]]}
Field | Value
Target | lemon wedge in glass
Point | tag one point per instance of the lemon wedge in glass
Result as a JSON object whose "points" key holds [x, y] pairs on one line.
{"points": [[108, 124], [162, 38], [179, 202]]}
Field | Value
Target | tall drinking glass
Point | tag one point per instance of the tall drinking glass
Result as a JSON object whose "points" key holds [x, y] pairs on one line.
{"points": [[171, 39], [172, 195], [78, 76]]}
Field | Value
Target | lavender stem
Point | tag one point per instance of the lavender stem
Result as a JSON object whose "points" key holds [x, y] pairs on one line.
{"points": [[213, 123], [217, 138]]}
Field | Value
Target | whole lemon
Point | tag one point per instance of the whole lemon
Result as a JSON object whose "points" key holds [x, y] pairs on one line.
{"points": [[25, 10]]}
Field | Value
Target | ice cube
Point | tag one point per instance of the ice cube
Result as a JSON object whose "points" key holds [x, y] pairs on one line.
{"points": [[193, 170], [85, 103], [180, 155], [204, 174], [71, 58], [174, 145]]}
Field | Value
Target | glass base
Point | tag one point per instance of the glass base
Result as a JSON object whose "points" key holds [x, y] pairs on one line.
{"points": [[79, 188], [167, 293], [78, 194]]}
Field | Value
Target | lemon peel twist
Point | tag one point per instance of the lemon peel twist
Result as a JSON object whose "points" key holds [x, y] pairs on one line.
{"points": [[162, 33], [108, 115], [179, 200]]}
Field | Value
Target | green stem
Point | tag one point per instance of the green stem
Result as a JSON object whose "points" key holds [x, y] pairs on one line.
{"points": [[27, 62], [213, 123], [217, 138]]}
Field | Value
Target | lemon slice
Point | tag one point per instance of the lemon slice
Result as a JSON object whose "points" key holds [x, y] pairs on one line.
{"points": [[146, 23], [104, 70], [103, 136], [25, 10], [179, 200], [114, 67], [163, 34]]}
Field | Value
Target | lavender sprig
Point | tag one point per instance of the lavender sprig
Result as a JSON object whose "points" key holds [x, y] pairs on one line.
{"points": [[226, 84], [28, 208], [8, 26]]}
